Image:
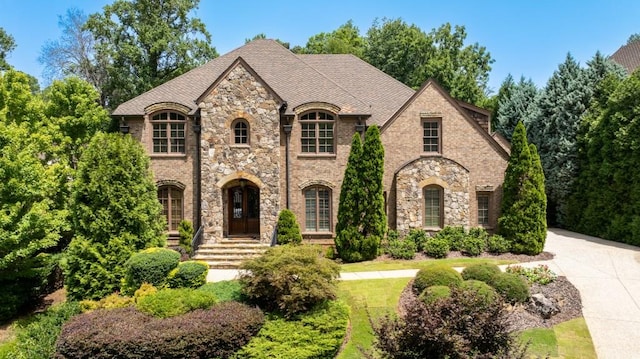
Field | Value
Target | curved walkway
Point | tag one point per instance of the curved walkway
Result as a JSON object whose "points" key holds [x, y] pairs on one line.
{"points": [[606, 273]]}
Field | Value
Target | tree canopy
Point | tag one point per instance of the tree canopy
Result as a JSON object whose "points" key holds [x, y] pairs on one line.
{"points": [[345, 39], [7, 44]]}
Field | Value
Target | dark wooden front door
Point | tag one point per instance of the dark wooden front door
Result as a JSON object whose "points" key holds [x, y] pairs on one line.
{"points": [[244, 210]]}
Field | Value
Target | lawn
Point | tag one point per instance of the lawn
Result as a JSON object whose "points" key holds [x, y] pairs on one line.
{"points": [[393, 264]]}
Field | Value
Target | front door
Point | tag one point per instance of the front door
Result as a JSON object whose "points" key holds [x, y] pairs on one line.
{"points": [[244, 210]]}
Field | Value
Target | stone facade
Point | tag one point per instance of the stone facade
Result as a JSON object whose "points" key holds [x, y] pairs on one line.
{"points": [[239, 95]]}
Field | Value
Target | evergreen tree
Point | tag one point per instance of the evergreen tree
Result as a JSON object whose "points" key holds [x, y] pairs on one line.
{"points": [[515, 106], [374, 219], [288, 228], [115, 213], [523, 216], [492, 103]]}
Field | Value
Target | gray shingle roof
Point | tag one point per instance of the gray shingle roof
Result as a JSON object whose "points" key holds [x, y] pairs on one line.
{"points": [[344, 80], [628, 56]]}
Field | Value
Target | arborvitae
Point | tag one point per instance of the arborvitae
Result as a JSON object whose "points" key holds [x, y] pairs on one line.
{"points": [[371, 174], [288, 228], [523, 214]]}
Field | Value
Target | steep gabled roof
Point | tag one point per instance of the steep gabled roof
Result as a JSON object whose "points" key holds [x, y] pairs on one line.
{"points": [[295, 79], [628, 56]]}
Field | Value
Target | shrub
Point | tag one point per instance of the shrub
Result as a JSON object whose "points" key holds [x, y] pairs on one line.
{"points": [[454, 235], [112, 301], [290, 279], [437, 247], [481, 290], [318, 335], [330, 253], [402, 249], [151, 265], [189, 274], [540, 274], [433, 293], [460, 326], [353, 246], [185, 229], [478, 232], [144, 290], [473, 246], [225, 291], [127, 333], [439, 275], [482, 271], [36, 340], [498, 244], [172, 302], [288, 228], [417, 236], [512, 287]]}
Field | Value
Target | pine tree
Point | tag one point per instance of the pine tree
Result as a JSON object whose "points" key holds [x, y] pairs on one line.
{"points": [[523, 216], [115, 213], [515, 106]]}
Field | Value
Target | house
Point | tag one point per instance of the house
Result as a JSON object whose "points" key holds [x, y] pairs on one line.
{"points": [[261, 129], [628, 56]]}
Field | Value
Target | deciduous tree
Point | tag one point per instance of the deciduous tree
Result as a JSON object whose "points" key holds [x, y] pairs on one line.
{"points": [[7, 44], [345, 39]]}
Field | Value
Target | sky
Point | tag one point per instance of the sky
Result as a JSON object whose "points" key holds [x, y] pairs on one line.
{"points": [[524, 37]]}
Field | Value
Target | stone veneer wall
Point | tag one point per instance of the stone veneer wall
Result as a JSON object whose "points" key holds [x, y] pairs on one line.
{"points": [[410, 182], [239, 95]]}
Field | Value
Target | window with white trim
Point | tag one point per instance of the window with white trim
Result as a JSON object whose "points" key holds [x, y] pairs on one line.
{"points": [[168, 132]]}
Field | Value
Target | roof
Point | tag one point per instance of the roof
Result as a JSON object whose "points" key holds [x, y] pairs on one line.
{"points": [[628, 56], [343, 80]]}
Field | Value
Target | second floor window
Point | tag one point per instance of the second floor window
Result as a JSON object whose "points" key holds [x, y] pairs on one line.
{"points": [[431, 136], [241, 132], [317, 132], [168, 132]]}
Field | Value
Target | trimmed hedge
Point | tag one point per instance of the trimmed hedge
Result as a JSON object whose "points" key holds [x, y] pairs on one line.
{"points": [[484, 272], [512, 287], [172, 302], [127, 333], [481, 290], [454, 235], [431, 276], [436, 247], [189, 274], [498, 244], [151, 265], [433, 293], [402, 249], [473, 246]]}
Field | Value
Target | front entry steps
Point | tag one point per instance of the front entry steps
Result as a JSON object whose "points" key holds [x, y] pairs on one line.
{"points": [[229, 253]]}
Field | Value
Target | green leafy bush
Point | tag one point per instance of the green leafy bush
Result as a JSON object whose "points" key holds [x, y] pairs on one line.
{"points": [[127, 333], [352, 246], [438, 275], [540, 274], [225, 291], [289, 279], [482, 271], [402, 249], [473, 246], [189, 274], [417, 236], [151, 265], [454, 235], [478, 232], [317, 334], [437, 247], [288, 228], [481, 290], [37, 338], [186, 232], [512, 287], [498, 244], [111, 301], [460, 326], [172, 302], [435, 292]]}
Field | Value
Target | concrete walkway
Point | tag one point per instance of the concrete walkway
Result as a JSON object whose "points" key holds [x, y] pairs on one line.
{"points": [[606, 273]]}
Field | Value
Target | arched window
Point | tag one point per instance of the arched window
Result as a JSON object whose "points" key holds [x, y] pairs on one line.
{"points": [[433, 206], [172, 205], [240, 132], [317, 132], [168, 132], [317, 202]]}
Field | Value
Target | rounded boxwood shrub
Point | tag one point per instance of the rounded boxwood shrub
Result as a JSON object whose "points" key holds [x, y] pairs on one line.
{"points": [[288, 228], [402, 249], [433, 293], [439, 275], [127, 333], [481, 290], [498, 244], [151, 265], [512, 287], [454, 235], [189, 274], [483, 272], [171, 302], [436, 247], [473, 246]]}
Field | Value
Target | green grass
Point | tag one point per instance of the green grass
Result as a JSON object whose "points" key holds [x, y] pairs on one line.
{"points": [[570, 339], [393, 264], [376, 297]]}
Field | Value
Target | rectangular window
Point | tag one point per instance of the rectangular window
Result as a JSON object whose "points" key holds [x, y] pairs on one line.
{"points": [[317, 209], [325, 138], [431, 136], [308, 137], [168, 133], [177, 138], [160, 140], [317, 133], [310, 210], [483, 209], [432, 206], [323, 210]]}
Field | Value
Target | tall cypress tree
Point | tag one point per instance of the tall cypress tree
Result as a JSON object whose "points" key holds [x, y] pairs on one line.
{"points": [[523, 217], [374, 219]]}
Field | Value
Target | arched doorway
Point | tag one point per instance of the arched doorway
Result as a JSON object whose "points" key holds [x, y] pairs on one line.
{"points": [[243, 209]]}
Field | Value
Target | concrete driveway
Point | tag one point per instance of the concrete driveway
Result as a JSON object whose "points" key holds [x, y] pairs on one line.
{"points": [[607, 274]]}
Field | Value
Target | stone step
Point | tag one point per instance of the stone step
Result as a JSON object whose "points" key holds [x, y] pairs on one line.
{"points": [[229, 253], [230, 250]]}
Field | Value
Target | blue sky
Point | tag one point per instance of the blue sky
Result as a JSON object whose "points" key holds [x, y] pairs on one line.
{"points": [[524, 37]]}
